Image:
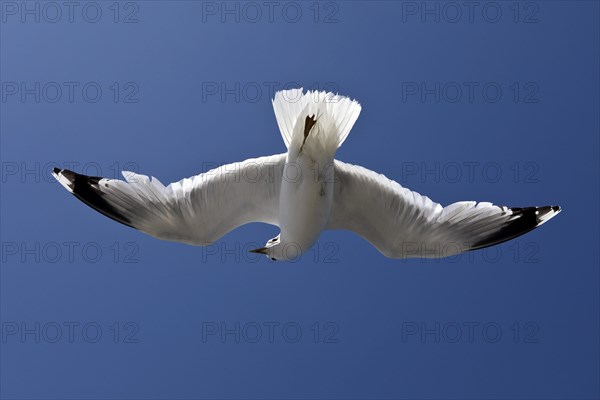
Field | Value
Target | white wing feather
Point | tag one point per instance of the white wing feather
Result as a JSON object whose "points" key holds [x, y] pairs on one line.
{"points": [[196, 210], [403, 224]]}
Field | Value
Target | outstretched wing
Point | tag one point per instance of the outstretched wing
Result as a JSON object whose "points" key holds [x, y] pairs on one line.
{"points": [[198, 210], [403, 224]]}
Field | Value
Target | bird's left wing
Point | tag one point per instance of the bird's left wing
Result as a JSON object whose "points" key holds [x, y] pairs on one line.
{"points": [[401, 223], [198, 210]]}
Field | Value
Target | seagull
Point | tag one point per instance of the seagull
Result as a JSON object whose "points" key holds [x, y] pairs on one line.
{"points": [[303, 192]]}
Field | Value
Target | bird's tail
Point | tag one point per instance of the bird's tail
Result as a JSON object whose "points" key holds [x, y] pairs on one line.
{"points": [[294, 106]]}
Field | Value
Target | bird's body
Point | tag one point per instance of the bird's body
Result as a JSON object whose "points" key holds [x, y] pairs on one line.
{"points": [[304, 192], [304, 204]]}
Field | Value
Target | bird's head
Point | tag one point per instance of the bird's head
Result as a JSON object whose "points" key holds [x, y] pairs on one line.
{"points": [[270, 249], [275, 250]]}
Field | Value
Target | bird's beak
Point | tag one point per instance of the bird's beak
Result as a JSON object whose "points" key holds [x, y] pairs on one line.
{"points": [[262, 250]]}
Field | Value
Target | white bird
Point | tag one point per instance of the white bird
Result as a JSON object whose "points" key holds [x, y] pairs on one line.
{"points": [[303, 192]]}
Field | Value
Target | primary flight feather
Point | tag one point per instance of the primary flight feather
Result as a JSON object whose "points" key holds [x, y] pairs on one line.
{"points": [[303, 192]]}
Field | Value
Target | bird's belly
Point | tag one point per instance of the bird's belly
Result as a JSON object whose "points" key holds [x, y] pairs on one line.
{"points": [[305, 202]]}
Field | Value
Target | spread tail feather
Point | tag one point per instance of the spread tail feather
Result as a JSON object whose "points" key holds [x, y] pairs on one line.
{"points": [[293, 106]]}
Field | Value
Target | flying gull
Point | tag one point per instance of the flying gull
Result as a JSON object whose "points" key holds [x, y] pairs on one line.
{"points": [[303, 191]]}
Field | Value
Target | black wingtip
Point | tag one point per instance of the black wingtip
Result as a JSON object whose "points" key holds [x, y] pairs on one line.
{"points": [[85, 188], [521, 221]]}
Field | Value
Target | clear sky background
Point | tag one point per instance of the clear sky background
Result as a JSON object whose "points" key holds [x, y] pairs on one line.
{"points": [[493, 102]]}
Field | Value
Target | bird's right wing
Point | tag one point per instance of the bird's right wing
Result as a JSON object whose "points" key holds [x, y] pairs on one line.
{"points": [[198, 210], [403, 224]]}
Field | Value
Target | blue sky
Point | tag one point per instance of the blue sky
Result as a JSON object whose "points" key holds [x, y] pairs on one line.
{"points": [[495, 102]]}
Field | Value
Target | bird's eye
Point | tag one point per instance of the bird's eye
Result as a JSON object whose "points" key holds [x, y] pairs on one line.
{"points": [[273, 259]]}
